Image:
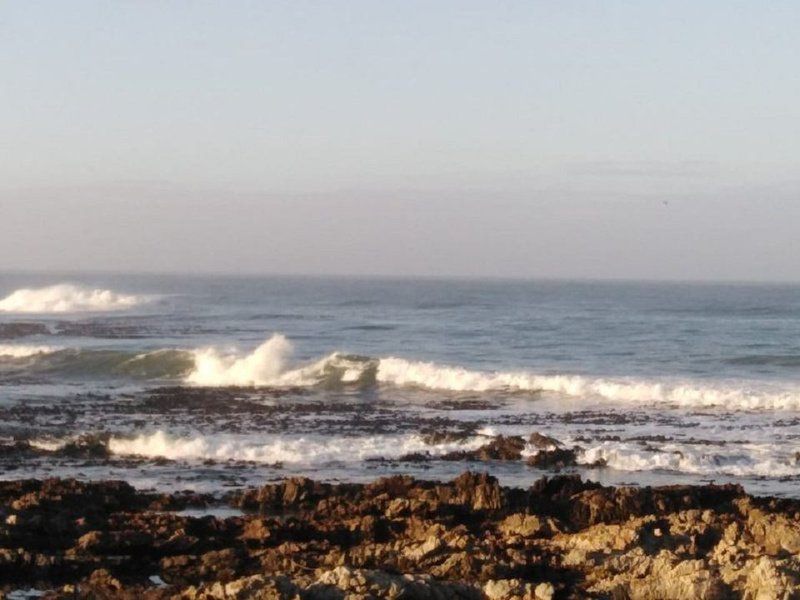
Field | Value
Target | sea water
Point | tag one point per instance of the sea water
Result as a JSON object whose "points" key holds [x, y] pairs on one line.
{"points": [[211, 382]]}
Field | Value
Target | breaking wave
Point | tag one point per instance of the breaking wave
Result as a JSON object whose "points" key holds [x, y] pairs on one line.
{"points": [[99, 363], [24, 351], [737, 460], [271, 365], [67, 298], [267, 365], [748, 460], [274, 449], [432, 376]]}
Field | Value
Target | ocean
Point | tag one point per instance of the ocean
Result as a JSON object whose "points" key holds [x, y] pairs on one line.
{"points": [[208, 383]]}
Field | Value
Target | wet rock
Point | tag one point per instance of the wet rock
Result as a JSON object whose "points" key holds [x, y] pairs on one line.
{"points": [[435, 438], [557, 458], [500, 448], [543, 442], [88, 446], [416, 457]]}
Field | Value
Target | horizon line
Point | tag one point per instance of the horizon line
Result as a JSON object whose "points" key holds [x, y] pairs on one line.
{"points": [[396, 277]]}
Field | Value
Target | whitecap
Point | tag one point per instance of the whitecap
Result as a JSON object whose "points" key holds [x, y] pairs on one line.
{"points": [[67, 298]]}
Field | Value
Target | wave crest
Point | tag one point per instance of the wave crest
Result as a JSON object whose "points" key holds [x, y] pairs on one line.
{"points": [[307, 450], [743, 396], [270, 365], [267, 365], [25, 351], [67, 298], [749, 460]]}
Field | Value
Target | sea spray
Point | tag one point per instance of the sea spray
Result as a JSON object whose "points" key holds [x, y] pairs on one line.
{"points": [[67, 298]]}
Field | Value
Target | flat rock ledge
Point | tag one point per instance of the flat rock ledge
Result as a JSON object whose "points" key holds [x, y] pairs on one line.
{"points": [[399, 537]]}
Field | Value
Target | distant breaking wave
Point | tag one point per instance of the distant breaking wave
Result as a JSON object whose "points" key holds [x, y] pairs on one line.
{"points": [[748, 460], [271, 365], [95, 363], [432, 376], [268, 364], [23, 351], [67, 298]]}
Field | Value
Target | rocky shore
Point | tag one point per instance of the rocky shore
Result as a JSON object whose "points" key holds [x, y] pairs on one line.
{"points": [[397, 538]]}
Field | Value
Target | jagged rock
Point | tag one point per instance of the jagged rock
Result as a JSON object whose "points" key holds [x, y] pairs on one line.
{"points": [[543, 442], [769, 579], [775, 532], [255, 587], [257, 530], [359, 583], [525, 526], [557, 458], [544, 591], [649, 578], [500, 448], [477, 491], [402, 537]]}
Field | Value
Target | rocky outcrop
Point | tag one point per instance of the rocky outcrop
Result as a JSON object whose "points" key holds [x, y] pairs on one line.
{"points": [[401, 538]]}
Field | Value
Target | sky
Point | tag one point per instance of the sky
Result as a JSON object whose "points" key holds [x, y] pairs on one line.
{"points": [[605, 139]]}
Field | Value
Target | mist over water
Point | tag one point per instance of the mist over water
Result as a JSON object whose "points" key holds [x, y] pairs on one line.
{"points": [[343, 377]]}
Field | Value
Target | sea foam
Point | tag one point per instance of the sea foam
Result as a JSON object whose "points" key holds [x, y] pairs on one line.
{"points": [[428, 375], [307, 450], [737, 460], [67, 298], [270, 365], [741, 460], [263, 366], [24, 351]]}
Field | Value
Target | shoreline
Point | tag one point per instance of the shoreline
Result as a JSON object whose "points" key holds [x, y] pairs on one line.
{"points": [[562, 537]]}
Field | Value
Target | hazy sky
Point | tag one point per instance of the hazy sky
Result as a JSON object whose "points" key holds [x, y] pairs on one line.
{"points": [[560, 139]]}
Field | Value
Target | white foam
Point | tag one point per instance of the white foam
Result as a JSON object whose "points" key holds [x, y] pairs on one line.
{"points": [[739, 460], [428, 375], [306, 450], [263, 366], [269, 365], [47, 444], [23, 351], [67, 298]]}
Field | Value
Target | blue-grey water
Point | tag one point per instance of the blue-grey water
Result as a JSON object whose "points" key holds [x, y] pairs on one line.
{"points": [[220, 381]]}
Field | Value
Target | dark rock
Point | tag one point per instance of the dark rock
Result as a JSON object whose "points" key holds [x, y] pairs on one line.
{"points": [[543, 442], [553, 459], [401, 537], [500, 448]]}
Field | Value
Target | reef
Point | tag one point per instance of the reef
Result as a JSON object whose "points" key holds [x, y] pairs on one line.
{"points": [[398, 537]]}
